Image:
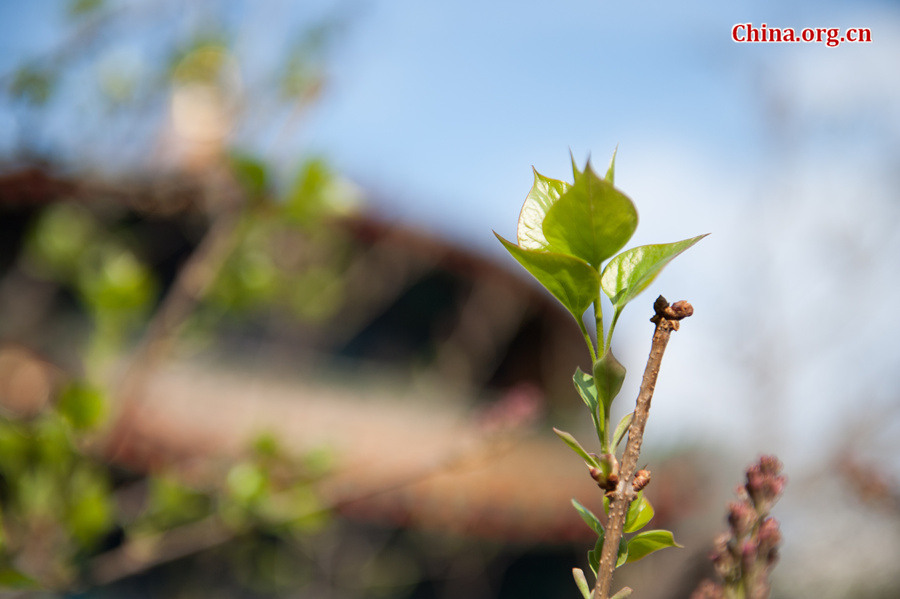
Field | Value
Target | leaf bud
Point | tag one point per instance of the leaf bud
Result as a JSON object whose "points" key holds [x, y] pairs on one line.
{"points": [[641, 479]]}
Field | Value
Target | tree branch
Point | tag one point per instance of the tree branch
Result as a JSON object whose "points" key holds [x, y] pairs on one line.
{"points": [[666, 319]]}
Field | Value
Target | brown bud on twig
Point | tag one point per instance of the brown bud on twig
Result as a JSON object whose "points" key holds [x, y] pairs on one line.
{"points": [[673, 313], [641, 479]]}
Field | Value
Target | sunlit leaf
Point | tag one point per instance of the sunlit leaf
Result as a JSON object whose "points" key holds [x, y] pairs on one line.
{"points": [[543, 194], [570, 280], [611, 171], [639, 513], [645, 543], [591, 220], [576, 447], [633, 270], [623, 593]]}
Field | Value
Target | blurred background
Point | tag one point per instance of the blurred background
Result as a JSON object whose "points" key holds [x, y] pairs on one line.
{"points": [[257, 338]]}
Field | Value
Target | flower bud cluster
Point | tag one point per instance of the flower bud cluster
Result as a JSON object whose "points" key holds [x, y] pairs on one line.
{"points": [[745, 555], [607, 475]]}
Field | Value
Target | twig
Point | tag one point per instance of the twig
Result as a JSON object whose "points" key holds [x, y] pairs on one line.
{"points": [[192, 282], [666, 320]]}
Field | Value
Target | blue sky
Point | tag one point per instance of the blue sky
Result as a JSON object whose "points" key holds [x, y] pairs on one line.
{"points": [[439, 110]]}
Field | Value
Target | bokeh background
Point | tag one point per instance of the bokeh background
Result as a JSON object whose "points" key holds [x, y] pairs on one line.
{"points": [[251, 295]]}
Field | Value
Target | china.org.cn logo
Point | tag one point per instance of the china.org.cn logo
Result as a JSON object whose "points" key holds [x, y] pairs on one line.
{"points": [[830, 36]]}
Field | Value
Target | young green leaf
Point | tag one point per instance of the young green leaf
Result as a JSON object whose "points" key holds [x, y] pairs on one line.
{"points": [[589, 518], [543, 194], [622, 557], [645, 543], [623, 593], [633, 270], [584, 383], [594, 556], [609, 374], [621, 429], [591, 220], [571, 280], [577, 448], [611, 171], [581, 582], [639, 513]]}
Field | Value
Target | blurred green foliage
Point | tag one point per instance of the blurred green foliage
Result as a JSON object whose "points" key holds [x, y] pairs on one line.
{"points": [[61, 503], [55, 484]]}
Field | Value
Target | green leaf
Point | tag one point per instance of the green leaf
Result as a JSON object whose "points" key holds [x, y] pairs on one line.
{"points": [[611, 171], [633, 270], [594, 556], [609, 374], [576, 447], [581, 582], [645, 543], [572, 281], [12, 578], [623, 593], [588, 392], [592, 220], [589, 518], [543, 194], [252, 174], [83, 405], [621, 429], [622, 558], [639, 513]]}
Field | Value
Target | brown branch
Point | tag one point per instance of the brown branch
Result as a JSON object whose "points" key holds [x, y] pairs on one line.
{"points": [[666, 320], [191, 284]]}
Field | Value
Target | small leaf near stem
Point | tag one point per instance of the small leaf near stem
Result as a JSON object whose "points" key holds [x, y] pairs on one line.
{"points": [[645, 543], [569, 440], [621, 429], [587, 389], [589, 518], [609, 374], [581, 582]]}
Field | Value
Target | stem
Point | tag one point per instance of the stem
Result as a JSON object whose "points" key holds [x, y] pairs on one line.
{"points": [[612, 326], [588, 340], [666, 320], [598, 317]]}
